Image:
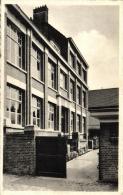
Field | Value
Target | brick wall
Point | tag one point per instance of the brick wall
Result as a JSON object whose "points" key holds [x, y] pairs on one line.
{"points": [[19, 153], [108, 154]]}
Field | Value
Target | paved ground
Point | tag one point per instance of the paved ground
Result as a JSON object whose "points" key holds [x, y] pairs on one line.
{"points": [[82, 175]]}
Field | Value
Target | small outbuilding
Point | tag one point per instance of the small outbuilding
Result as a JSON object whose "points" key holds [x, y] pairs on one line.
{"points": [[104, 105]]}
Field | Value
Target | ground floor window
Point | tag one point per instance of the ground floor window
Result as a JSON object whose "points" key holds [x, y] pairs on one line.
{"points": [[51, 116], [37, 111], [64, 120], [14, 105], [78, 124], [72, 121], [84, 126]]}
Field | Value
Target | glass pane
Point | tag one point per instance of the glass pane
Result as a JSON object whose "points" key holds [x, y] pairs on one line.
{"points": [[7, 114], [13, 118], [8, 105], [13, 106], [18, 107], [34, 112], [38, 103], [19, 119], [34, 121], [38, 122], [38, 113], [13, 93]]}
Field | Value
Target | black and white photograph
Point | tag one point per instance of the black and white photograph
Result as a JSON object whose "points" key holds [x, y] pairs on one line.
{"points": [[60, 94]]}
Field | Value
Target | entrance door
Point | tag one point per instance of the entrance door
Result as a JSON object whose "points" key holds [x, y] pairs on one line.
{"points": [[51, 156]]}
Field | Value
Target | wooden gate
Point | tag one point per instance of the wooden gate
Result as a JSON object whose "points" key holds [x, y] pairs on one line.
{"points": [[51, 156]]}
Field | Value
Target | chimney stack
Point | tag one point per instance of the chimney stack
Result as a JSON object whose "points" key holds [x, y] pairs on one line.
{"points": [[40, 16]]}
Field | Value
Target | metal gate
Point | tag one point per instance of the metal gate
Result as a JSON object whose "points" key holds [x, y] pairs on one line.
{"points": [[51, 156]]}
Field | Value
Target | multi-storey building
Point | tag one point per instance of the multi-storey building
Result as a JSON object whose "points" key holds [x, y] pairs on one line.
{"points": [[45, 77]]}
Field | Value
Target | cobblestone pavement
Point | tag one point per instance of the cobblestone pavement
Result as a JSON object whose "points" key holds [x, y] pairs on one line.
{"points": [[82, 175]]}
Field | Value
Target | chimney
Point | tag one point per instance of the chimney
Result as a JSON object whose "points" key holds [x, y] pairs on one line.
{"points": [[40, 16]]}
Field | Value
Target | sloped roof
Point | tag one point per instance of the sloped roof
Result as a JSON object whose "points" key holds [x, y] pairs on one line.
{"points": [[103, 98]]}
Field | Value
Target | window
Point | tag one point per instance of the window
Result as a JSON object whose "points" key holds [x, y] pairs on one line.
{"points": [[84, 99], [84, 75], [51, 116], [84, 127], [52, 74], [78, 124], [78, 68], [78, 95], [15, 46], [36, 110], [72, 90], [37, 63], [63, 80], [14, 105], [72, 121], [72, 60]]}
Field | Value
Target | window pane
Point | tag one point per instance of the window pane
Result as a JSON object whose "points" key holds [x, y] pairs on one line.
{"points": [[13, 93], [18, 107], [13, 118], [38, 122], [38, 113], [34, 121], [18, 119], [13, 106]]}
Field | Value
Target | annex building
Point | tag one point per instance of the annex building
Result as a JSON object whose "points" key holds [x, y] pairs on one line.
{"points": [[45, 88], [103, 105]]}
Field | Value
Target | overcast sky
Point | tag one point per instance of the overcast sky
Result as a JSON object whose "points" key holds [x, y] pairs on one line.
{"points": [[95, 32]]}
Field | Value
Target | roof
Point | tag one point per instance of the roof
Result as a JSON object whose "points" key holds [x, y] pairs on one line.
{"points": [[103, 98], [94, 123]]}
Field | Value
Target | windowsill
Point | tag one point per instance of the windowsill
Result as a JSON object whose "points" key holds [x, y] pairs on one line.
{"points": [[53, 89], [17, 67], [14, 126], [64, 89], [38, 80]]}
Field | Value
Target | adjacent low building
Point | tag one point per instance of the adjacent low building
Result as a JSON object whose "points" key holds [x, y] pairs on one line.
{"points": [[104, 106], [45, 82]]}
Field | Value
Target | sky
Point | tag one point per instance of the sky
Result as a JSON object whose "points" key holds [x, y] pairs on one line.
{"points": [[95, 30]]}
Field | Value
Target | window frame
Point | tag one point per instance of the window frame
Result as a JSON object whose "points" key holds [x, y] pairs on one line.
{"points": [[72, 90], [37, 56], [78, 95], [36, 108], [52, 74], [51, 116], [15, 45], [63, 80], [18, 103]]}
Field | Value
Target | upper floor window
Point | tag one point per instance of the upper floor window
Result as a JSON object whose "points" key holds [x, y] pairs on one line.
{"points": [[78, 68], [78, 95], [37, 63], [72, 90], [37, 111], [15, 46], [72, 60], [52, 75], [84, 99], [78, 123], [51, 116], [84, 75], [63, 80], [15, 105]]}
